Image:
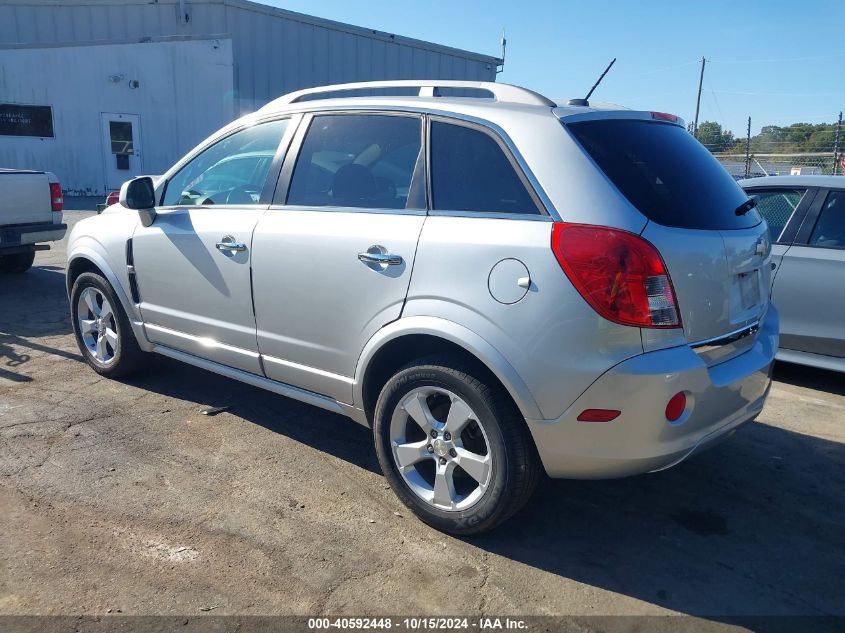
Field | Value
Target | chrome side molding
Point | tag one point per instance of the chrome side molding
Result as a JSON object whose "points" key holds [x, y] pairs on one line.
{"points": [[702, 347]]}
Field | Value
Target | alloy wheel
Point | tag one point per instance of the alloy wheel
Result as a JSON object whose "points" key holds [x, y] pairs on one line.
{"points": [[440, 448], [97, 325]]}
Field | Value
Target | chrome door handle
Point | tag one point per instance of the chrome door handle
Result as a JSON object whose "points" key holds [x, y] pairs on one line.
{"points": [[229, 244], [380, 258]]}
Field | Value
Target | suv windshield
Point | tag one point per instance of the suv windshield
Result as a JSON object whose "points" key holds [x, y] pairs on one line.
{"points": [[665, 173]]}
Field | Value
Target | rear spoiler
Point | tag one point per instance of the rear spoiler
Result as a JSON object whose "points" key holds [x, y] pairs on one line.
{"points": [[570, 114]]}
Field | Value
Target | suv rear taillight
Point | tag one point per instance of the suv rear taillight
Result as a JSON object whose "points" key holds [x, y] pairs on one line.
{"points": [[57, 202], [621, 275], [112, 198]]}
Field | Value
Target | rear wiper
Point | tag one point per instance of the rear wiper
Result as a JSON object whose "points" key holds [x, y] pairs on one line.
{"points": [[746, 206]]}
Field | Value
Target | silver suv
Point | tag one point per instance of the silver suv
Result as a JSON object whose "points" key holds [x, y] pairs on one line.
{"points": [[497, 285]]}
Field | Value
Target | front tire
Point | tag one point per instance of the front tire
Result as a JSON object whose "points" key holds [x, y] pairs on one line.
{"points": [[102, 328], [453, 446], [17, 263]]}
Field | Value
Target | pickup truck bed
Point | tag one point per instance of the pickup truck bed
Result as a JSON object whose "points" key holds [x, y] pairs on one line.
{"points": [[30, 214]]}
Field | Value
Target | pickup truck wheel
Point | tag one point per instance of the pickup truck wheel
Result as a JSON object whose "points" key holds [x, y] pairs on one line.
{"points": [[17, 263], [453, 446], [102, 328]]}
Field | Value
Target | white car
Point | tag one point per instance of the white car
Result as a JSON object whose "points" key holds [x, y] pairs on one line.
{"points": [[806, 218]]}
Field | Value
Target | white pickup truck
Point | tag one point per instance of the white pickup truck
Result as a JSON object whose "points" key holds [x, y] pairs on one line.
{"points": [[31, 206]]}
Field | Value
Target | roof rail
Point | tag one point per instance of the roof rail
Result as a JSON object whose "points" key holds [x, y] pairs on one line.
{"points": [[427, 88]]}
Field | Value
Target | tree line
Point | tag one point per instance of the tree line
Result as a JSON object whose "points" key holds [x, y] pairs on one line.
{"points": [[797, 138]]}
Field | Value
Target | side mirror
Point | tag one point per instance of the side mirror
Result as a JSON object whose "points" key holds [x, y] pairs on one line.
{"points": [[139, 194]]}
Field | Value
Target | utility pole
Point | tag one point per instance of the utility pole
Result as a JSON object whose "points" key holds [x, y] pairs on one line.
{"points": [[698, 101], [836, 146], [748, 149]]}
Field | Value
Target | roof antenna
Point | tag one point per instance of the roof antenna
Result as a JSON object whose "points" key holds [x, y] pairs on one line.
{"points": [[584, 101], [501, 66]]}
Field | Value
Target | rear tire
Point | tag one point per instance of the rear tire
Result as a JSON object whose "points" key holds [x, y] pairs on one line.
{"points": [[17, 263], [102, 329], [466, 482]]}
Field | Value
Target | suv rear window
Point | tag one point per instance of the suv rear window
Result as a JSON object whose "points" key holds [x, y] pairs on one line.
{"points": [[665, 173]]}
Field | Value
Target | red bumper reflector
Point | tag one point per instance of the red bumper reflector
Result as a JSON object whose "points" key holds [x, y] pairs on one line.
{"points": [[598, 415], [676, 406]]}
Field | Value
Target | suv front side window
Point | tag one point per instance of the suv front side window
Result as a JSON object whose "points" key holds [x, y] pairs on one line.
{"points": [[357, 160], [232, 171]]}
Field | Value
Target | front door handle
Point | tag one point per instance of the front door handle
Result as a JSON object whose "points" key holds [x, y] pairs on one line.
{"points": [[380, 258], [229, 244]]}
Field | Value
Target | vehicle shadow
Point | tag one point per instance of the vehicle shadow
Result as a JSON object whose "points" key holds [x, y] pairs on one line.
{"points": [[323, 430], [754, 526], [810, 377], [32, 305], [11, 358]]}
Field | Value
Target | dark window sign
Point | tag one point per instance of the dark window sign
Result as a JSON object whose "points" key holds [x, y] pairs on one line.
{"points": [[26, 120], [121, 137]]}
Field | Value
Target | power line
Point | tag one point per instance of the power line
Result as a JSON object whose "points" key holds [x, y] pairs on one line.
{"points": [[781, 60], [777, 94], [664, 69], [716, 101]]}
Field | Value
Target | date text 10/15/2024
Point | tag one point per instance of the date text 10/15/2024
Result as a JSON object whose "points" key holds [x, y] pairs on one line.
{"points": [[419, 623]]}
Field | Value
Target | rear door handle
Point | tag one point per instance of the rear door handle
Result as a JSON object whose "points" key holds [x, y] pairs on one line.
{"points": [[380, 258], [228, 243]]}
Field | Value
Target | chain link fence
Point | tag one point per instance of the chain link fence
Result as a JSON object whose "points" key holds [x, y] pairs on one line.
{"points": [[821, 163]]}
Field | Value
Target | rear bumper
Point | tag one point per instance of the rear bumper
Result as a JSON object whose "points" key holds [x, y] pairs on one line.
{"points": [[13, 237], [719, 399]]}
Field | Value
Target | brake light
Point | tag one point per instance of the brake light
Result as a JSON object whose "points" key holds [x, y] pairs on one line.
{"points": [[664, 116], [57, 201], [621, 275], [112, 198]]}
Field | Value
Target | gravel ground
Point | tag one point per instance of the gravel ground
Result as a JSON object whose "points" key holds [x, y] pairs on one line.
{"points": [[119, 495]]}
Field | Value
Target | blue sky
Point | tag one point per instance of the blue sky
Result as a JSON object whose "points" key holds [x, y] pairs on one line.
{"points": [[779, 61]]}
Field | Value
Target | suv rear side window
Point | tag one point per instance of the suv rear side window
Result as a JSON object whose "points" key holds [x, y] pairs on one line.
{"points": [[665, 173], [829, 231], [470, 172], [777, 206], [357, 160]]}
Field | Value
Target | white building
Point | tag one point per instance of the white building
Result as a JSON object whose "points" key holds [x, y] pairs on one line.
{"points": [[99, 91]]}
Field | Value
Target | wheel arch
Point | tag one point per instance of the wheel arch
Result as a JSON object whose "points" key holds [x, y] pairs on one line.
{"points": [[415, 337], [85, 259], [77, 266]]}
